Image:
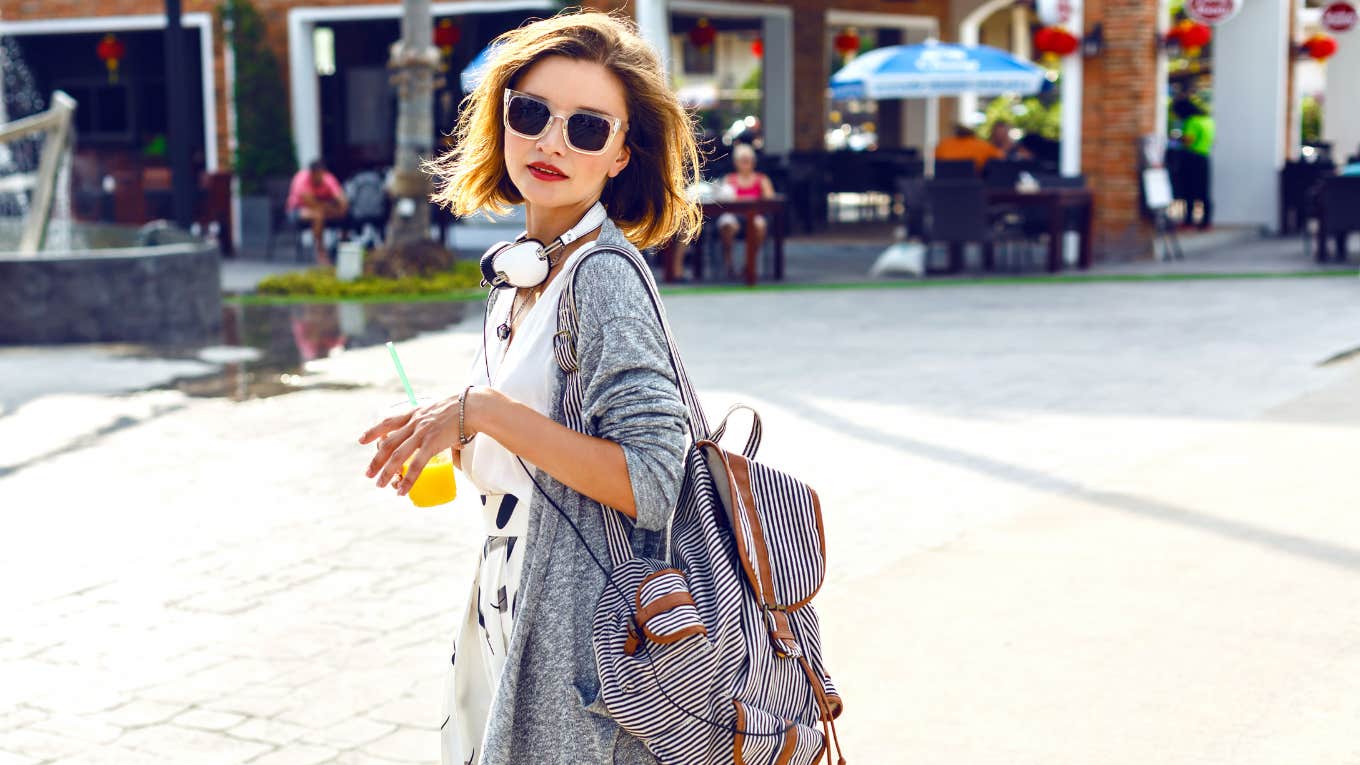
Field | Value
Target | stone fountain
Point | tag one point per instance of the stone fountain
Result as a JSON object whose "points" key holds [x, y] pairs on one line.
{"points": [[63, 281]]}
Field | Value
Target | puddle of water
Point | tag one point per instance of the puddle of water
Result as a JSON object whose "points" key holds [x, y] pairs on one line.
{"points": [[281, 339]]}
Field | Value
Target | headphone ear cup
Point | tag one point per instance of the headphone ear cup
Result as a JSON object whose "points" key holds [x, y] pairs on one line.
{"points": [[488, 263]]}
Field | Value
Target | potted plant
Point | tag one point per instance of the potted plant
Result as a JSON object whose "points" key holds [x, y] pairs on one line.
{"points": [[264, 139]]}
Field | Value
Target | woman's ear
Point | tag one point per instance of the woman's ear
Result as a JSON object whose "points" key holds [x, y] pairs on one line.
{"points": [[620, 162]]}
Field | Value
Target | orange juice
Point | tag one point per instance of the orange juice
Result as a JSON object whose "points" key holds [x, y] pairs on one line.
{"points": [[435, 484]]}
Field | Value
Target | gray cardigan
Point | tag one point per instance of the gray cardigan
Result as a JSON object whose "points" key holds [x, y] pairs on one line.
{"points": [[546, 709]]}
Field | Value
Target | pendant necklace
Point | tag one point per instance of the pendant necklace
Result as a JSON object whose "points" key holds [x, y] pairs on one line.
{"points": [[507, 327]]}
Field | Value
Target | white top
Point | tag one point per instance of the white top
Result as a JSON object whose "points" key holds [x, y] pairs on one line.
{"points": [[521, 368]]}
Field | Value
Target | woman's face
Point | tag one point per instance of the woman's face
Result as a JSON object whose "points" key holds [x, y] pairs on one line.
{"points": [[745, 162], [546, 170]]}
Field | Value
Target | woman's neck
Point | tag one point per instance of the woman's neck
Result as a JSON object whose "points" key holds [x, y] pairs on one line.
{"points": [[547, 223]]}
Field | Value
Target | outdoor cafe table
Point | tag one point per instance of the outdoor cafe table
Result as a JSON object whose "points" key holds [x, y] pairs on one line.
{"points": [[1055, 202], [673, 254]]}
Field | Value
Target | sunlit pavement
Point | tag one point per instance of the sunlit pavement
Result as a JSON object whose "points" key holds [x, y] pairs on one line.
{"points": [[1101, 523]]}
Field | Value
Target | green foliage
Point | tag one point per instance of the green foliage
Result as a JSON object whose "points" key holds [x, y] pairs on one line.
{"points": [[1312, 120], [263, 132], [321, 282], [1030, 114]]}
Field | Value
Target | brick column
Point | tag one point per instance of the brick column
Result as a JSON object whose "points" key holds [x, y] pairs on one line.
{"points": [[1118, 107], [809, 78]]}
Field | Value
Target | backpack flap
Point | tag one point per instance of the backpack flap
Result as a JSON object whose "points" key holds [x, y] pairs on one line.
{"points": [[777, 523]]}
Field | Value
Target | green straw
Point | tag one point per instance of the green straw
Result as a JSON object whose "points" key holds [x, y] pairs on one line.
{"points": [[401, 372]]}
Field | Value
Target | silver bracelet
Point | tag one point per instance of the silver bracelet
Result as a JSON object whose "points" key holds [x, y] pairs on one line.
{"points": [[463, 440]]}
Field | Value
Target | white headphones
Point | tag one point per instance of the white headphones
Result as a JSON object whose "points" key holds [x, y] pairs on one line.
{"points": [[526, 262]]}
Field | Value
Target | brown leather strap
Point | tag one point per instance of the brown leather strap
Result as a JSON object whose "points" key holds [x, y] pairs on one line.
{"points": [[741, 473], [790, 744], [663, 604]]}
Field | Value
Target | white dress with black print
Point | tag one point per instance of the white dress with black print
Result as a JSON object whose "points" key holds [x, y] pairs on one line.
{"points": [[522, 368]]}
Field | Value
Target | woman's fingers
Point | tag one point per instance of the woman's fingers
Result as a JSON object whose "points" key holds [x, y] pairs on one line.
{"points": [[391, 469], [386, 426], [417, 464], [387, 445]]}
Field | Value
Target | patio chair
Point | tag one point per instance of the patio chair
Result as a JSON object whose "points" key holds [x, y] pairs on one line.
{"points": [[955, 169], [1338, 214], [1298, 189], [1004, 173], [368, 206], [957, 214]]}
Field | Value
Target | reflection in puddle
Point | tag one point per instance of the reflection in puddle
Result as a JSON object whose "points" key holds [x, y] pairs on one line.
{"points": [[284, 337]]}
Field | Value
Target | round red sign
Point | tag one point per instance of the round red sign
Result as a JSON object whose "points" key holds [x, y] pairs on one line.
{"points": [[1212, 11], [1339, 17]]}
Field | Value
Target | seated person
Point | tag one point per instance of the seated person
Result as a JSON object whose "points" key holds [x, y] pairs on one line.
{"points": [[1010, 149], [316, 196], [745, 183], [965, 144]]}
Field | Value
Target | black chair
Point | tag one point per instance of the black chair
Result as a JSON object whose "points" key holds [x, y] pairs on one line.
{"points": [[955, 169], [368, 206], [956, 214], [1299, 182], [1338, 214], [1004, 173]]}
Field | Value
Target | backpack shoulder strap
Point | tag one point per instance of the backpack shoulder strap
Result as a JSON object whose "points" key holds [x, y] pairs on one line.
{"points": [[568, 324]]}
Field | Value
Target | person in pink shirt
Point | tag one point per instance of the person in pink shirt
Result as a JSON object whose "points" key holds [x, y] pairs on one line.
{"points": [[745, 183], [316, 196]]}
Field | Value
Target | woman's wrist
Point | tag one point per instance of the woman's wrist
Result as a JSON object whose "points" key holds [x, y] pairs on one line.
{"points": [[478, 412]]}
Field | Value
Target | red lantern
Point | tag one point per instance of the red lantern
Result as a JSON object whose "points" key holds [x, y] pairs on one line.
{"points": [[1190, 35], [847, 42], [757, 47], [1056, 41], [446, 36], [702, 35], [1320, 46], [110, 51]]}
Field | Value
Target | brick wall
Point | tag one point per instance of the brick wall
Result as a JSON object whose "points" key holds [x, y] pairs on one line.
{"points": [[1119, 106]]}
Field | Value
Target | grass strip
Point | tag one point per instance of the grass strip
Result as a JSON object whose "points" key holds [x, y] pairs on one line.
{"points": [[476, 294]]}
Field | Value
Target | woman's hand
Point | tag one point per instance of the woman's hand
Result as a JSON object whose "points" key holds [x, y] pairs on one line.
{"points": [[417, 435]]}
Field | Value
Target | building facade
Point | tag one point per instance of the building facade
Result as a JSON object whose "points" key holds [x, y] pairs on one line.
{"points": [[771, 58]]}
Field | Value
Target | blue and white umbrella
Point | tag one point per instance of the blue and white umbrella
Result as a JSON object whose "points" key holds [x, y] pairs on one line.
{"points": [[472, 73], [935, 69]]}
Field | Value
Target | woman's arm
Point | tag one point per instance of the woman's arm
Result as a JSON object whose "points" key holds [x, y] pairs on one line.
{"points": [[766, 188], [592, 466]]}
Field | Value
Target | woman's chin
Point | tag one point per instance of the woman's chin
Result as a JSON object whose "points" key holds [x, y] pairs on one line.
{"points": [[555, 194]]}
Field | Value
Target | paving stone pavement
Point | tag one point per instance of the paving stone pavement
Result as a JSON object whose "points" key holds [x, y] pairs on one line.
{"points": [[1049, 508]]}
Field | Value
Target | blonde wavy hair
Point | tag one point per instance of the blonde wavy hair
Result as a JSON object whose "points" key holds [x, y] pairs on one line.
{"points": [[647, 199]]}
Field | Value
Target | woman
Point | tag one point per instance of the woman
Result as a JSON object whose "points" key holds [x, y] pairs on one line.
{"points": [[574, 109], [745, 183]]}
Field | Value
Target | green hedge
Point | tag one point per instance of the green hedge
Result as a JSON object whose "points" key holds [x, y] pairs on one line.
{"points": [[321, 282]]}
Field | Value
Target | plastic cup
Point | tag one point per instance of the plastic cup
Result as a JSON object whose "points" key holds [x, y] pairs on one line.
{"points": [[435, 485]]}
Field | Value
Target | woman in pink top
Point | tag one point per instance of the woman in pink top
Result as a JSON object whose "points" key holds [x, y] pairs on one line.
{"points": [[745, 183], [316, 196]]}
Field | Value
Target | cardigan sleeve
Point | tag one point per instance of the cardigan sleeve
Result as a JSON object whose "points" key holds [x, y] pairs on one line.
{"points": [[629, 393]]}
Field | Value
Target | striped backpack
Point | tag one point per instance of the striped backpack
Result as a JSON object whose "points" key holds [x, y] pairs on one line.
{"points": [[713, 654]]}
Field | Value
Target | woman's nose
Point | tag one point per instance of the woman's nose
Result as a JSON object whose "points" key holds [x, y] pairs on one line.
{"points": [[553, 140]]}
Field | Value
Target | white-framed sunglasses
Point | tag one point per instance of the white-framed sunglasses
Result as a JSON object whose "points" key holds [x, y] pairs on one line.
{"points": [[585, 131]]}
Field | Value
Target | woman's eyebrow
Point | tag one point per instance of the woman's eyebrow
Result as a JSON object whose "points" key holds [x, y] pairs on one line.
{"points": [[549, 102]]}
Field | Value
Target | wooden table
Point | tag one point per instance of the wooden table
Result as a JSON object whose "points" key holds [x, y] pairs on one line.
{"points": [[673, 255], [1055, 202]]}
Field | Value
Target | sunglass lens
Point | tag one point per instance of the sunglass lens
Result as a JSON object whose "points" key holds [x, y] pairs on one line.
{"points": [[588, 132], [527, 116]]}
